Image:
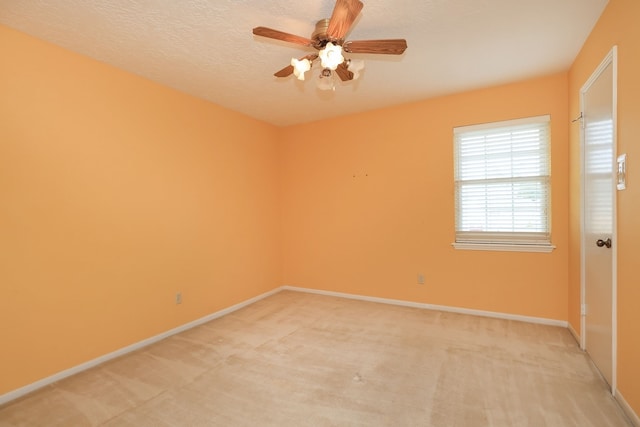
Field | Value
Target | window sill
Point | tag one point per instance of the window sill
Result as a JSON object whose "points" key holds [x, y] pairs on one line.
{"points": [[504, 247]]}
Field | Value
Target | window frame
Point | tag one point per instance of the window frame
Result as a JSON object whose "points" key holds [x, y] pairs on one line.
{"points": [[499, 240]]}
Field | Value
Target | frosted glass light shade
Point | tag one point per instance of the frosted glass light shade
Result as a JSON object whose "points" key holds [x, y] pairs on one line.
{"points": [[331, 56], [300, 67], [325, 81], [355, 66]]}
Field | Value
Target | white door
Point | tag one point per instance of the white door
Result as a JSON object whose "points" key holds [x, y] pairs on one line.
{"points": [[598, 239]]}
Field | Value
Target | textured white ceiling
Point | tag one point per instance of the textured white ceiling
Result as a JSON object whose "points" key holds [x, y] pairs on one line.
{"points": [[206, 47]]}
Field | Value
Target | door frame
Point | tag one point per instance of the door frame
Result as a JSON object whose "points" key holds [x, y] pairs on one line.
{"points": [[610, 59]]}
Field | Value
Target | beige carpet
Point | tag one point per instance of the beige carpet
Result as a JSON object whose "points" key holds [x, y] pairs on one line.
{"points": [[298, 359]]}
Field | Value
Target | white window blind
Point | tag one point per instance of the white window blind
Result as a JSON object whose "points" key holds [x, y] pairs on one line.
{"points": [[502, 182]]}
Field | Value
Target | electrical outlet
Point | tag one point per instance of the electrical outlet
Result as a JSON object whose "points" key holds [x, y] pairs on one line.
{"points": [[179, 298], [420, 279]]}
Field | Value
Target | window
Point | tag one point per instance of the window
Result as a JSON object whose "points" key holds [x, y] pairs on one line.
{"points": [[502, 185]]}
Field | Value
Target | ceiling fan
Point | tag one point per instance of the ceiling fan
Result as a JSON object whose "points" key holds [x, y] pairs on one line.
{"points": [[329, 40]]}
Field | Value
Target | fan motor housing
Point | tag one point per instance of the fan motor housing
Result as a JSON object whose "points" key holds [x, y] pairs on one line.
{"points": [[320, 37]]}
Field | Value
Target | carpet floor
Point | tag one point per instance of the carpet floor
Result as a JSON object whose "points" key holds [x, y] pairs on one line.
{"points": [[298, 359]]}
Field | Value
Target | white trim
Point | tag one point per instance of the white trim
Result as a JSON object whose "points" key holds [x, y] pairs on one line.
{"points": [[627, 409], [15, 394], [610, 59], [22, 391], [583, 257], [575, 334], [504, 247], [471, 179], [614, 254], [460, 310], [583, 314], [546, 118]]}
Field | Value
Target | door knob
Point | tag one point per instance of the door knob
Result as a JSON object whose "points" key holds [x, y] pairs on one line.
{"points": [[602, 243]]}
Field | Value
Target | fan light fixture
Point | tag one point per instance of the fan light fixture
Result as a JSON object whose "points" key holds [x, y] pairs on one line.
{"points": [[300, 67], [330, 59], [325, 80], [355, 66], [329, 40], [331, 56]]}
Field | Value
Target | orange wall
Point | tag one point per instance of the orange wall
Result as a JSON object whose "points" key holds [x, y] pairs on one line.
{"points": [[368, 204], [116, 193], [617, 26]]}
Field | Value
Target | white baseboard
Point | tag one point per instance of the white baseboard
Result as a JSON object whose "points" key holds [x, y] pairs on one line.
{"points": [[627, 409], [15, 394], [575, 334], [493, 314]]}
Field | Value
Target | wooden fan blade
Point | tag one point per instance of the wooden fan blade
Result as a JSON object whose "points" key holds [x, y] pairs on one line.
{"points": [[343, 72], [344, 14], [385, 47], [288, 70], [280, 35]]}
